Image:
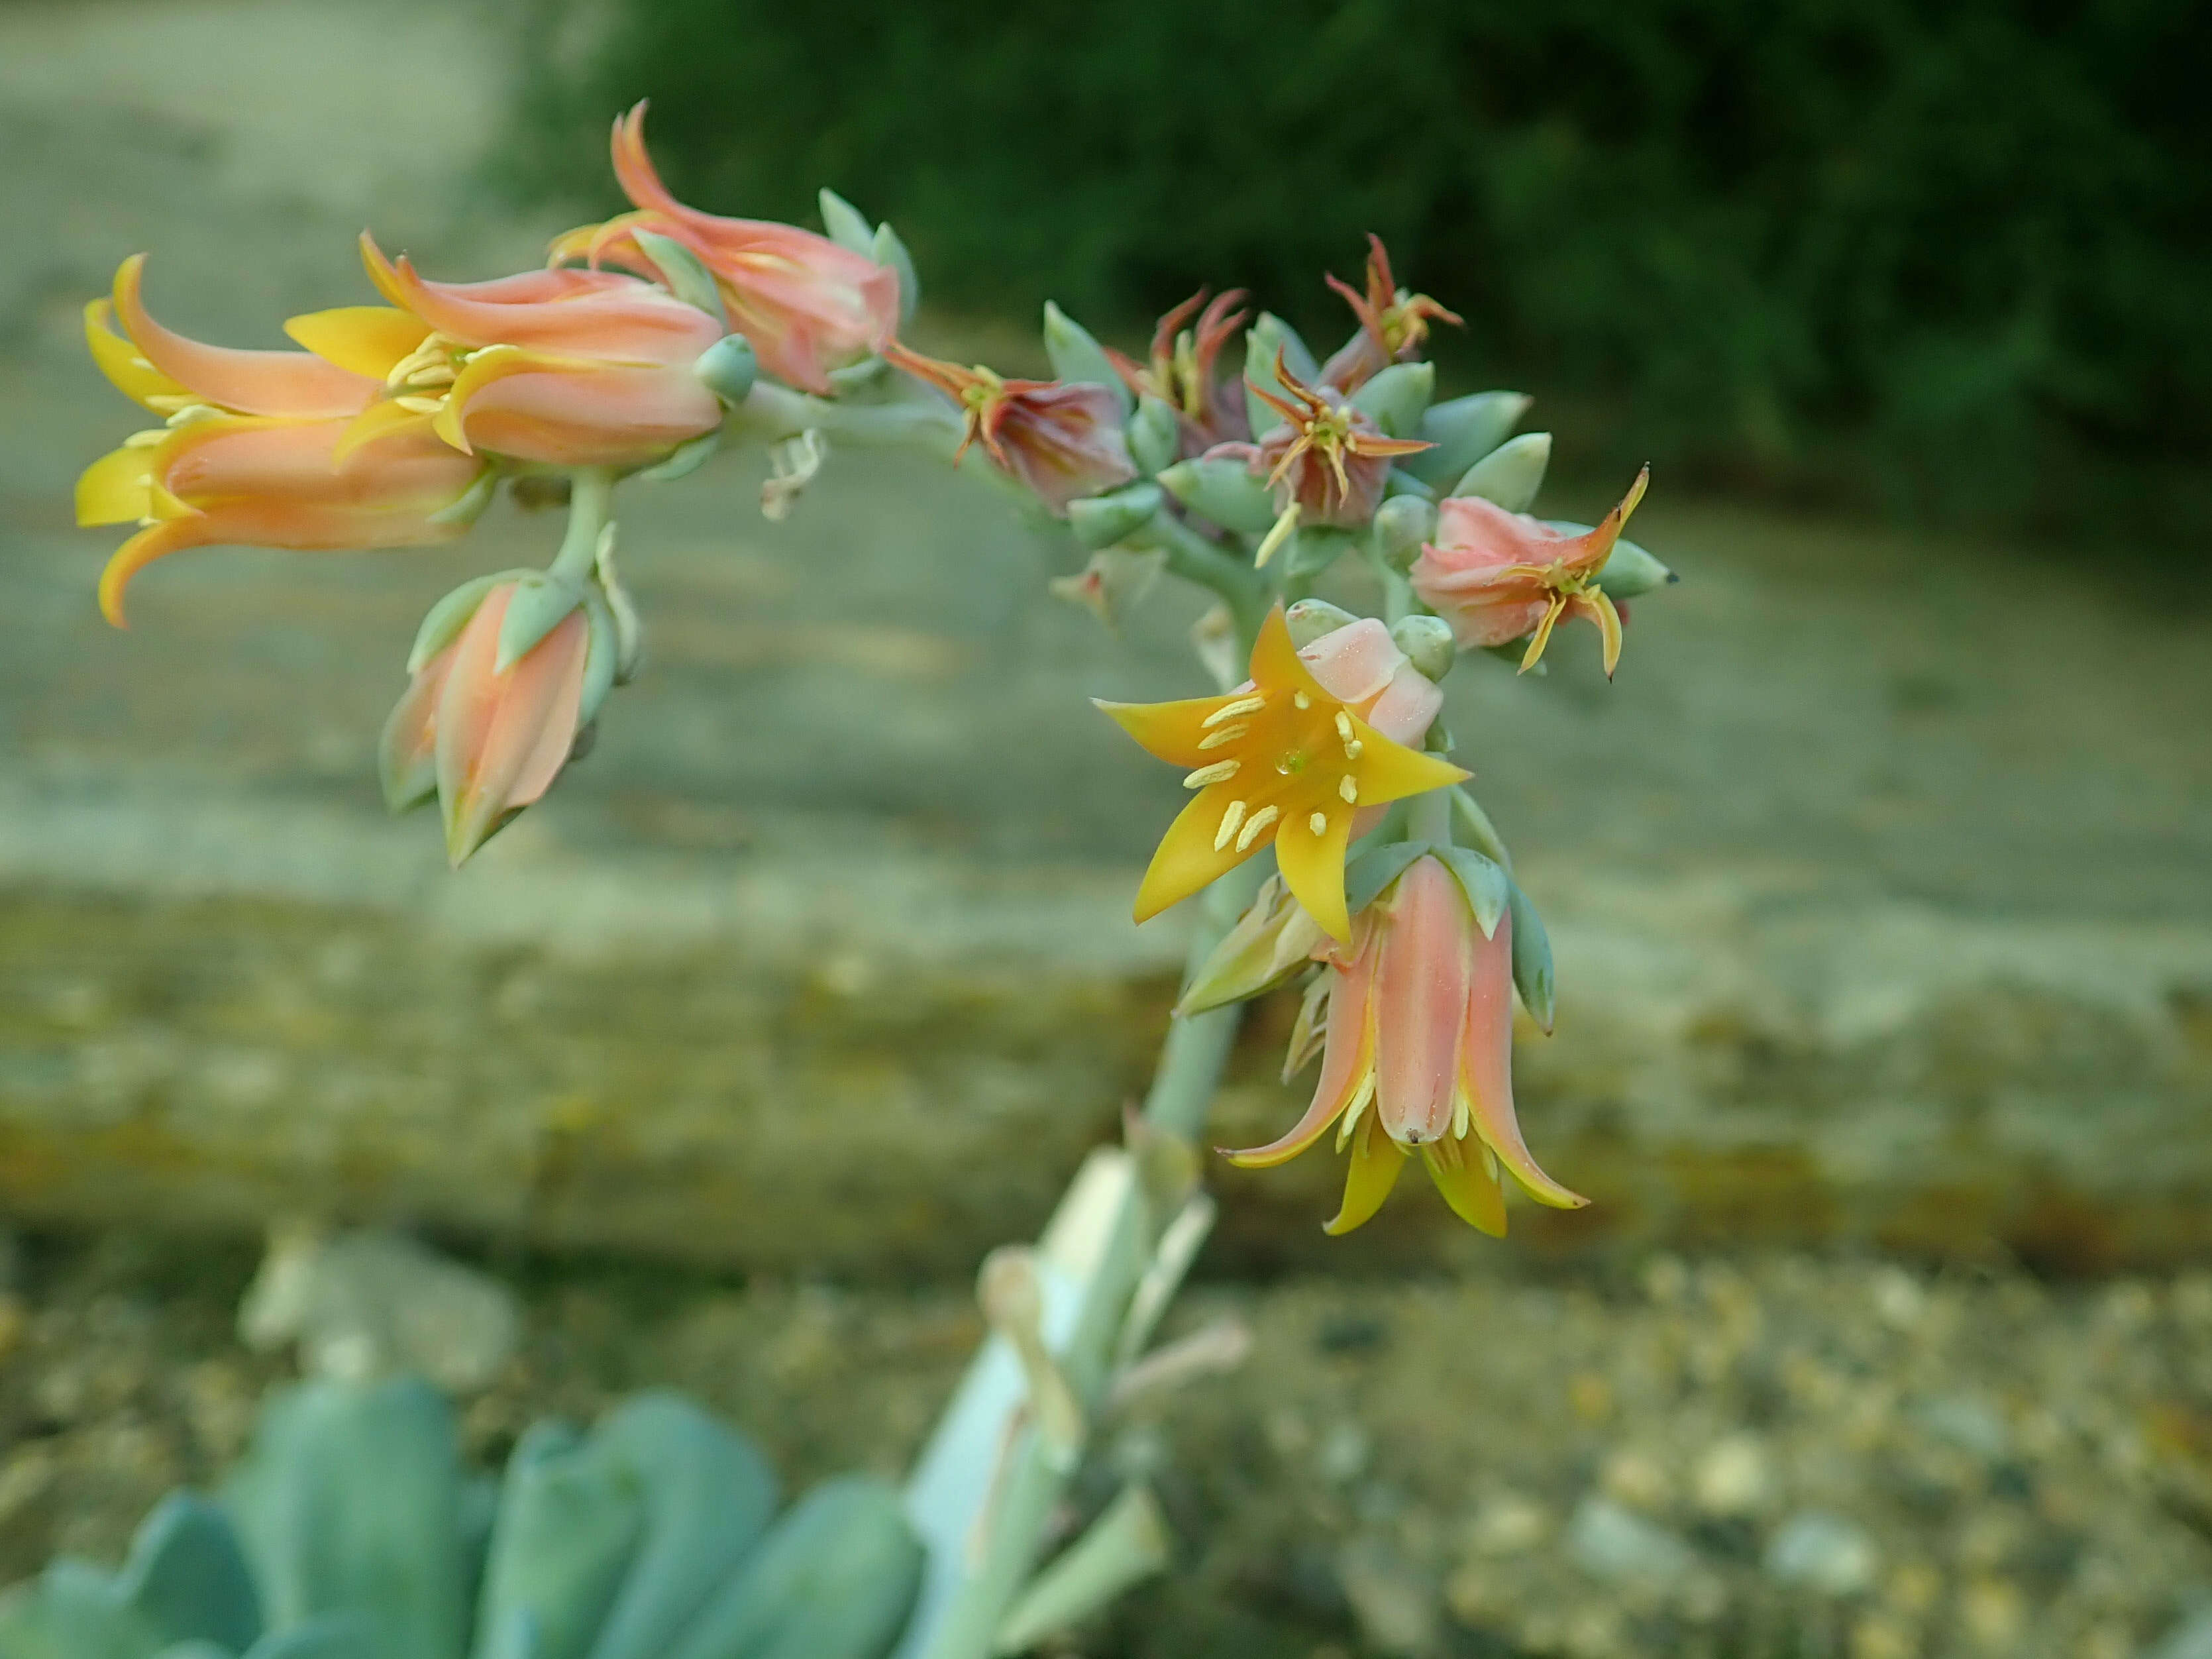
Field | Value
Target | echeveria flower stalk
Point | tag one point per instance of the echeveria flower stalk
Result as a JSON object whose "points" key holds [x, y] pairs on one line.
{"points": [[807, 304], [1181, 370], [1392, 324], [1288, 760], [1328, 459], [253, 453], [1062, 441], [1497, 576], [1419, 1057]]}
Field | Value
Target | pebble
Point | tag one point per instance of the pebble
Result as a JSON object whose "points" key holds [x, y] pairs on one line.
{"points": [[1822, 1551], [1611, 1542], [1735, 1476]]}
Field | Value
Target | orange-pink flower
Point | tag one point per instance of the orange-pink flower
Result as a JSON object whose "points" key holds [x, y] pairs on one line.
{"points": [[1181, 371], [1497, 576], [807, 304], [554, 367], [253, 453], [1063, 441], [1419, 1057], [1392, 324], [1328, 459], [491, 740]]}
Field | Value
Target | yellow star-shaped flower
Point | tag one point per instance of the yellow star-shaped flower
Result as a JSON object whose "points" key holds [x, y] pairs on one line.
{"points": [[1278, 762]]}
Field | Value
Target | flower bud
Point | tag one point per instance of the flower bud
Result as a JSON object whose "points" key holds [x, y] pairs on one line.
{"points": [[1395, 398], [1401, 525], [1102, 520], [1273, 939], [1076, 356], [1224, 488], [1464, 430], [1312, 619], [728, 368], [1428, 645], [1155, 436], [1510, 474]]}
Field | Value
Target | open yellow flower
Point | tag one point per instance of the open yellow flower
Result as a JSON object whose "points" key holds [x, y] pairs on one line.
{"points": [[1281, 761]]}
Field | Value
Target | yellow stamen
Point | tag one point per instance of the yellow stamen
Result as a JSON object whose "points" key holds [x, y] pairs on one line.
{"points": [[1318, 824], [144, 440], [1229, 820], [1278, 532], [1348, 788], [1299, 700], [420, 405], [1254, 825], [1219, 772], [1229, 711], [1226, 734], [1352, 1112], [1461, 1122]]}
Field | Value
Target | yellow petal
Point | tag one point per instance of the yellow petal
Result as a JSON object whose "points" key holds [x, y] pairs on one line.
{"points": [[1595, 603], [379, 420], [119, 360], [1313, 866], [1277, 666], [115, 489], [365, 339], [1167, 731], [1387, 771], [1187, 860], [1376, 1161], [1464, 1177]]}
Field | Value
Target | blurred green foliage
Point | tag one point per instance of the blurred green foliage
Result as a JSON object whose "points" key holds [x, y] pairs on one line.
{"points": [[1950, 259]]}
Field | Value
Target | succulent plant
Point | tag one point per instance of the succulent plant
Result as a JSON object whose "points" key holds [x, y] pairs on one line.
{"points": [[350, 1530]]}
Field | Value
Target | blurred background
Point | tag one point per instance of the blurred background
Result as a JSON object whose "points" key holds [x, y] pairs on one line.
{"points": [[1880, 881]]}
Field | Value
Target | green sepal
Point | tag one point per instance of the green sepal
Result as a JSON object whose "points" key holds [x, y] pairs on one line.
{"points": [[1225, 491], [603, 655], [186, 1576], [1313, 548], [1102, 520], [1155, 436], [1078, 358], [728, 368], [684, 460], [1532, 957], [687, 278], [1261, 342], [1464, 430], [889, 250], [1402, 526], [1428, 644], [1372, 871], [469, 506], [540, 604], [1486, 884], [446, 618], [1394, 397], [846, 224], [1510, 475], [1308, 620], [835, 1578]]}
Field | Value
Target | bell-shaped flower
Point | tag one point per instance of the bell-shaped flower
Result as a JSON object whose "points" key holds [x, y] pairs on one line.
{"points": [[1062, 441], [1392, 324], [1313, 740], [491, 736], [1328, 459], [252, 451], [554, 367], [1497, 576], [1419, 1057], [1181, 371], [807, 304]]}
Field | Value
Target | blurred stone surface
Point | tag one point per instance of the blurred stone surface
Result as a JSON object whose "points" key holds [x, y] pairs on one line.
{"points": [[1881, 883]]}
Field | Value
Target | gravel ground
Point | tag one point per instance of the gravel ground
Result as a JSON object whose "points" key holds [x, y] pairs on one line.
{"points": [[1758, 1457]]}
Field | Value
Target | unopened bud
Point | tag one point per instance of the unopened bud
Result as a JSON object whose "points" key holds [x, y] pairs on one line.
{"points": [[1428, 644], [1401, 525], [728, 368], [1312, 619], [1510, 474]]}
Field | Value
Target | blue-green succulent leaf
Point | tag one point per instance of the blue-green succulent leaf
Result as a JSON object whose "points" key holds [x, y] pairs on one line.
{"points": [[1394, 398], [1102, 520], [1155, 435], [1076, 356], [847, 225], [72, 1611], [571, 1517], [1510, 474], [333, 1636], [186, 1576], [1464, 430], [1268, 336], [834, 1579], [890, 251], [709, 1495], [349, 1501], [1225, 490]]}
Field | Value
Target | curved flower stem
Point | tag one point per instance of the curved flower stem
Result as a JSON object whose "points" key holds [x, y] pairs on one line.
{"points": [[1197, 1045], [591, 501], [1241, 587]]}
